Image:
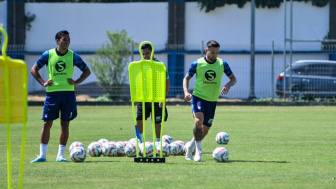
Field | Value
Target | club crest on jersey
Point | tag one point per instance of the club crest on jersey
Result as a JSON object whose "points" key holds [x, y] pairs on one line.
{"points": [[210, 75], [60, 67]]}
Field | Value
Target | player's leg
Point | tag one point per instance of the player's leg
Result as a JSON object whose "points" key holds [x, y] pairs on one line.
{"points": [[50, 113], [139, 116], [197, 109], [198, 134], [205, 131], [209, 113], [44, 140], [157, 131], [63, 139], [158, 120], [68, 113]]}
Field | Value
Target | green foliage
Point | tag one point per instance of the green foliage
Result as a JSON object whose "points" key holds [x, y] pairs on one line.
{"points": [[110, 62], [29, 18], [210, 5]]}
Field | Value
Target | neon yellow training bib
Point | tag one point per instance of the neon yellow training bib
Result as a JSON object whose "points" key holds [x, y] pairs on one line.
{"points": [[60, 68], [208, 79]]}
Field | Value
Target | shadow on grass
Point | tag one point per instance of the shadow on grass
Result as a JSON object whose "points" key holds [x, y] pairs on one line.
{"points": [[255, 161]]}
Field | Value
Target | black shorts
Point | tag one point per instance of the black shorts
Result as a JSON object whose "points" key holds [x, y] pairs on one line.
{"points": [[148, 111]]}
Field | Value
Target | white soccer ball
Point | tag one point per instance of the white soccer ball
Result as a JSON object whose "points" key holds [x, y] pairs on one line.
{"points": [[109, 149], [94, 149], [181, 143], [121, 148], [222, 138], [76, 144], [187, 146], [130, 149], [78, 154], [149, 149], [167, 138], [103, 140], [134, 140], [165, 149], [176, 148], [220, 154]]}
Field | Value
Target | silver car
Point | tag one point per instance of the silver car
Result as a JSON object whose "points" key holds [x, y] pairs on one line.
{"points": [[310, 79]]}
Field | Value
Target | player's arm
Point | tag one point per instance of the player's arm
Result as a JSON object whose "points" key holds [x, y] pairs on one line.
{"points": [[81, 78], [187, 95], [78, 62], [43, 60], [167, 86], [186, 79], [229, 84]]}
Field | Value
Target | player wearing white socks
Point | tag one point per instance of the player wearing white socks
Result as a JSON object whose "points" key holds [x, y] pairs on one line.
{"points": [[60, 101], [209, 71]]}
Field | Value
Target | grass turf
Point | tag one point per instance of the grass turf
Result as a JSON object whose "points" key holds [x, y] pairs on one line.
{"points": [[270, 147]]}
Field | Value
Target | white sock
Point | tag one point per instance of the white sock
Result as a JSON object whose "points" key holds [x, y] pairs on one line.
{"points": [[199, 145], [157, 139], [192, 143], [43, 150], [140, 137], [61, 149]]}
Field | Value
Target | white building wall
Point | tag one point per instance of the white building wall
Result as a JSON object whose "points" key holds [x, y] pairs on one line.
{"points": [[88, 23], [229, 25]]}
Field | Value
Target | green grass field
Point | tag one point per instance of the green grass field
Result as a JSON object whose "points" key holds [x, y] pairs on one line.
{"points": [[270, 147]]}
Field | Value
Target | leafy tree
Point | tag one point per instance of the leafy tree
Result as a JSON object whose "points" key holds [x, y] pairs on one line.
{"points": [[110, 61], [210, 5]]}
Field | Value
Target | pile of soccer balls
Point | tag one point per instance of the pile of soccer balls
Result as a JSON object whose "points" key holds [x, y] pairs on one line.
{"points": [[104, 147], [221, 154]]}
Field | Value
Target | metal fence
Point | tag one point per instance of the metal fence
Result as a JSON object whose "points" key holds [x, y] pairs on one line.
{"points": [[268, 65]]}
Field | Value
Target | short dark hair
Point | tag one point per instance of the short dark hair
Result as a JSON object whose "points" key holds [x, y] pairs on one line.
{"points": [[146, 46], [60, 34], [212, 43]]}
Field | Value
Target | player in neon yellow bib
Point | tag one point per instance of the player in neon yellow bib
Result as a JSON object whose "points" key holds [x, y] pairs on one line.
{"points": [[146, 50], [209, 71], [60, 94]]}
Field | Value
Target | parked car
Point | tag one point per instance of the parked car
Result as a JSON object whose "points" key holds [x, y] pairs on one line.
{"points": [[310, 79]]}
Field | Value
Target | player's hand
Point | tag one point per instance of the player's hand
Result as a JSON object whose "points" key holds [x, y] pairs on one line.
{"points": [[71, 81], [187, 97], [48, 83], [225, 89], [160, 104]]}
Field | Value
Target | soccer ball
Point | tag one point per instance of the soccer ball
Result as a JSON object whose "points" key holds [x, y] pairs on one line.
{"points": [[186, 146], [109, 149], [78, 154], [134, 141], [165, 149], [121, 148], [94, 149], [176, 148], [149, 149], [220, 154], [181, 143], [103, 140], [167, 138], [130, 149], [76, 144], [222, 138]]}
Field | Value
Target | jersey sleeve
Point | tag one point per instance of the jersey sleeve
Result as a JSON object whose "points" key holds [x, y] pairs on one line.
{"points": [[43, 60], [227, 69], [192, 69], [78, 62]]}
